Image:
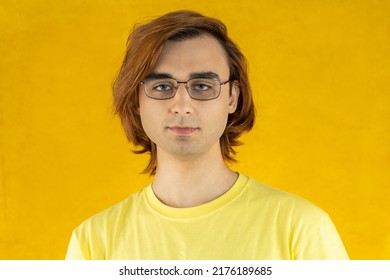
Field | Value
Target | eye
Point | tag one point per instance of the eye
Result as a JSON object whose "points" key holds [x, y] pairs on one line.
{"points": [[162, 87], [201, 87]]}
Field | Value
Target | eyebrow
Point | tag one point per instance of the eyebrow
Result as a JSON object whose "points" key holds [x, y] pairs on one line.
{"points": [[209, 74]]}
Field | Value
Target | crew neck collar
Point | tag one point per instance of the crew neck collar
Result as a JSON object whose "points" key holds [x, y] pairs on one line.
{"points": [[196, 211]]}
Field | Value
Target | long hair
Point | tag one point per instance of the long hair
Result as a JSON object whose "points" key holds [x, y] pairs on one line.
{"points": [[144, 47]]}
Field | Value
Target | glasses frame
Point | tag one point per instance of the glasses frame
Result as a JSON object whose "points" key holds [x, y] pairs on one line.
{"points": [[186, 86]]}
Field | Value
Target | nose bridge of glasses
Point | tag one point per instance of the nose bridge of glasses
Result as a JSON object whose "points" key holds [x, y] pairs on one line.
{"points": [[185, 86], [182, 103]]}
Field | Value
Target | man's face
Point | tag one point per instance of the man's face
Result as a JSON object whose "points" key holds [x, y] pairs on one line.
{"points": [[181, 126]]}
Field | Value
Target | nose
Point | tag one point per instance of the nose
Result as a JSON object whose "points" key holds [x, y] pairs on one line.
{"points": [[182, 102]]}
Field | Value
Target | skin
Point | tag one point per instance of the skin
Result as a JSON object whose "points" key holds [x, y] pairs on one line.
{"points": [[187, 131]]}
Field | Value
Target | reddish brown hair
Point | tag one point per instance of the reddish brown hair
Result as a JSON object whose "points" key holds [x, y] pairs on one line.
{"points": [[143, 50]]}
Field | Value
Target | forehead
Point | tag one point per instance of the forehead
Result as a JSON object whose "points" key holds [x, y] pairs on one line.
{"points": [[200, 54]]}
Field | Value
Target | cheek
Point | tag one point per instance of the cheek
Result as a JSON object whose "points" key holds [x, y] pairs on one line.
{"points": [[153, 114], [217, 120], [148, 117], [148, 108]]}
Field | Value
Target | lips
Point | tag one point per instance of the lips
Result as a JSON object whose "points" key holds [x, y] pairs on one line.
{"points": [[183, 130]]}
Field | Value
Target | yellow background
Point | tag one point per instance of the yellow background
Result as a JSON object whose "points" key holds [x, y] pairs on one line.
{"points": [[320, 73]]}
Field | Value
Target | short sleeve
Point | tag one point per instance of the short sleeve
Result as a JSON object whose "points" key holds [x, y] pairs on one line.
{"points": [[323, 243], [74, 251]]}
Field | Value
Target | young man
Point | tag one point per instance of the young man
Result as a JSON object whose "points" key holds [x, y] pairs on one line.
{"points": [[183, 96]]}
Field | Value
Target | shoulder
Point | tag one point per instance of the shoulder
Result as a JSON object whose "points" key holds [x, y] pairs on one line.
{"points": [[278, 200], [309, 228], [284, 209], [91, 239], [110, 216]]}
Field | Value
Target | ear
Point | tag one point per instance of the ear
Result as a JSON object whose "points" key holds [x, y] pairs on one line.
{"points": [[233, 99]]}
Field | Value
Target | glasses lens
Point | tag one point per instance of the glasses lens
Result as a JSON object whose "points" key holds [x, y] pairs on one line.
{"points": [[160, 88], [204, 88]]}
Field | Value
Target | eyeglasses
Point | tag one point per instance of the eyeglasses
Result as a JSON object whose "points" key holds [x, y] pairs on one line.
{"points": [[198, 88]]}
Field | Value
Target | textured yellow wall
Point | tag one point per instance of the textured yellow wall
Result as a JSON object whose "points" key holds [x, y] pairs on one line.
{"points": [[320, 72]]}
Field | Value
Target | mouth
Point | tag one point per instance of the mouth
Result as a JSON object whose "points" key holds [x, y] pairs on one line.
{"points": [[182, 130]]}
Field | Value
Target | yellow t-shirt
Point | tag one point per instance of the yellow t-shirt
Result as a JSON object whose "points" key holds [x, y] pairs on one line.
{"points": [[250, 221]]}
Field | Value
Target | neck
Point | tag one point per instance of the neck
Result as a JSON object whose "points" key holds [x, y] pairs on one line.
{"points": [[191, 182]]}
